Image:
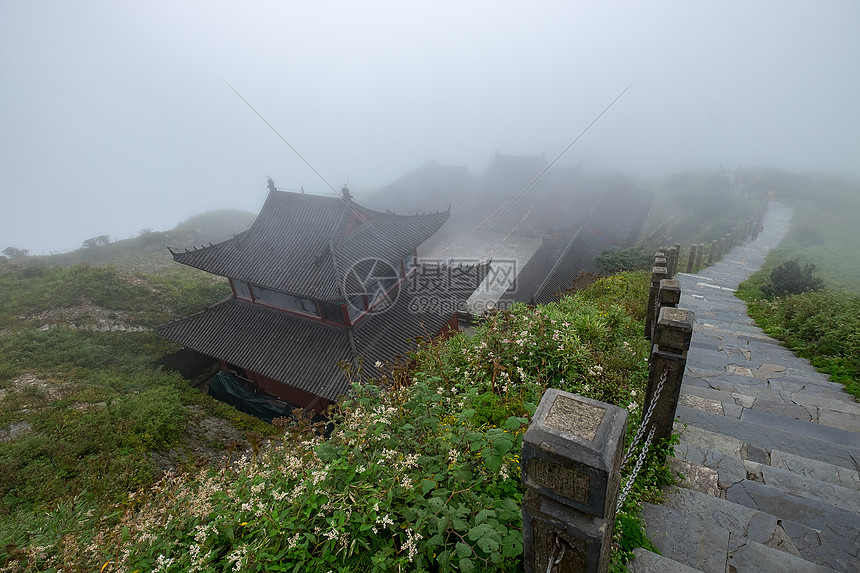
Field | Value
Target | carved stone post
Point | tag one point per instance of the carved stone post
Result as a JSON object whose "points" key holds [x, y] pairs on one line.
{"points": [[571, 460], [722, 247], [657, 274], [699, 252], [674, 270], [668, 295], [666, 369], [712, 253], [691, 259], [670, 260]]}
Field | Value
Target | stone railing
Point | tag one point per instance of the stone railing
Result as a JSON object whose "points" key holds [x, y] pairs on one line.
{"points": [[717, 248], [573, 451]]}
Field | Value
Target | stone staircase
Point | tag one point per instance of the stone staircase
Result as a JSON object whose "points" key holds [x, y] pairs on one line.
{"points": [[769, 450]]}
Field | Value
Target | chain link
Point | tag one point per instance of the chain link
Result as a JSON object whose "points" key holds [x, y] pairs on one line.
{"points": [[655, 305], [647, 416], [556, 556], [639, 461]]}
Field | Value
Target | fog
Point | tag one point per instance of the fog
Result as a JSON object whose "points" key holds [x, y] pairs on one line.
{"points": [[120, 116]]}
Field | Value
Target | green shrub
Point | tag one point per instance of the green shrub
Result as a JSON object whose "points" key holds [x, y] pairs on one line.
{"points": [[790, 278], [630, 259]]}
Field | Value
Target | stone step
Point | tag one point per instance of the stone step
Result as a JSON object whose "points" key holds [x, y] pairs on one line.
{"points": [[722, 536], [733, 404], [645, 561], [779, 403], [822, 532], [722, 455], [747, 524], [802, 486], [752, 556], [770, 438], [728, 457], [815, 469], [775, 389], [702, 546], [707, 480], [802, 427]]}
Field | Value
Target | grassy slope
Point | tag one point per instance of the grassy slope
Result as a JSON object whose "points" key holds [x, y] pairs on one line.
{"points": [[81, 409], [148, 252]]}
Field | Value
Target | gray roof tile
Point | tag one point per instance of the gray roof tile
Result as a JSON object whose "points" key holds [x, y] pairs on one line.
{"points": [[304, 244]]}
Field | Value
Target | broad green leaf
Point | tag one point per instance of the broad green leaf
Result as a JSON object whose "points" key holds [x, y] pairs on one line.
{"points": [[503, 444], [488, 544], [492, 459], [326, 452], [463, 550], [427, 485], [480, 531], [483, 515]]}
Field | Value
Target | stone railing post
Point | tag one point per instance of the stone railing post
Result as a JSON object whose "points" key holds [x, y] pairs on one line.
{"points": [[676, 252], [662, 262], [666, 367], [722, 249], [657, 274], [571, 466], [677, 256], [668, 295], [712, 253], [691, 259], [699, 252], [670, 259]]}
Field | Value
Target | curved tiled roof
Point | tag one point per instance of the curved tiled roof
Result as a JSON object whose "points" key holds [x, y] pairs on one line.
{"points": [[303, 244], [305, 353]]}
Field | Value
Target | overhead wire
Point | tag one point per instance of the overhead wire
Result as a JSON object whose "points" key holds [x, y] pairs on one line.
{"points": [[312, 168]]}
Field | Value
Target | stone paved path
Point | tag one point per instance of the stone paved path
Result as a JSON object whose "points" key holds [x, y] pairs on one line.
{"points": [[770, 449]]}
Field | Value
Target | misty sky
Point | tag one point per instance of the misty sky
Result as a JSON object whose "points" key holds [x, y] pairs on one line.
{"points": [[115, 116]]}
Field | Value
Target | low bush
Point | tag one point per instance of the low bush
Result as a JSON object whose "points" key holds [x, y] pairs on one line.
{"points": [[630, 259], [790, 278]]}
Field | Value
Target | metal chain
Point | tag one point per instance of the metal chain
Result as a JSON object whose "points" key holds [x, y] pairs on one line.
{"points": [[647, 416], [555, 560], [639, 461], [656, 308]]}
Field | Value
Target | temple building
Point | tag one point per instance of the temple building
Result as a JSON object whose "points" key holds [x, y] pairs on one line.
{"points": [[614, 222], [320, 283]]}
